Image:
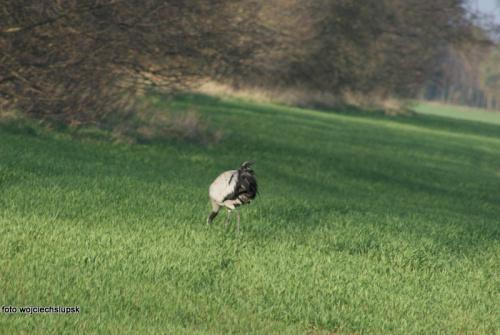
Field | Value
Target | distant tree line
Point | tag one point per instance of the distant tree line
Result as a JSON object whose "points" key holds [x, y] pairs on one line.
{"points": [[82, 61], [470, 74]]}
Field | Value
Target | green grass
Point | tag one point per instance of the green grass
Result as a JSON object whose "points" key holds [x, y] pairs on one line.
{"points": [[459, 112], [364, 224]]}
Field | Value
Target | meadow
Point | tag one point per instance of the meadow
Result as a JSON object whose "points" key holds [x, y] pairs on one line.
{"points": [[459, 112], [365, 223]]}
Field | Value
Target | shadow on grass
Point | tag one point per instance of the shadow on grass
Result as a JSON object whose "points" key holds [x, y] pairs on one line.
{"points": [[409, 117]]}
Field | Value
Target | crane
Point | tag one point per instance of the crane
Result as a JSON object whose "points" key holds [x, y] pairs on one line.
{"points": [[232, 189]]}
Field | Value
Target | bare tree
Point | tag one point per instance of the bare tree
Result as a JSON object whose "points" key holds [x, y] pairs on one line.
{"points": [[77, 61]]}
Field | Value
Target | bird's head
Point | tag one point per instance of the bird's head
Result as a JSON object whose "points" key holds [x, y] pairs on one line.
{"points": [[246, 165]]}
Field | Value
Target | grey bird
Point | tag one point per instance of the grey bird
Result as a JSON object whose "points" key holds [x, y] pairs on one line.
{"points": [[232, 189]]}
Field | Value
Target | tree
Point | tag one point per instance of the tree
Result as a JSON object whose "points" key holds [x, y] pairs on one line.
{"points": [[78, 61], [383, 47], [490, 79]]}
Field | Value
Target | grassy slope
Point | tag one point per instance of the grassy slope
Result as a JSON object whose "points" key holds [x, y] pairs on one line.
{"points": [[459, 112], [364, 224]]}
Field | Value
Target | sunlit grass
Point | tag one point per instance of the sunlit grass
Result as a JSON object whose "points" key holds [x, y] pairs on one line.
{"points": [[364, 224], [458, 112]]}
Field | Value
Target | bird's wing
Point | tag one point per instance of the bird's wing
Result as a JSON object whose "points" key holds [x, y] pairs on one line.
{"points": [[225, 186]]}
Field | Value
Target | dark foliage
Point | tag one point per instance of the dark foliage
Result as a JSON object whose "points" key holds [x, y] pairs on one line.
{"points": [[382, 47], [79, 61]]}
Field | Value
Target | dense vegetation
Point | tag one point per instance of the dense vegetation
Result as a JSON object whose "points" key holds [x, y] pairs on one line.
{"points": [[80, 62], [364, 224]]}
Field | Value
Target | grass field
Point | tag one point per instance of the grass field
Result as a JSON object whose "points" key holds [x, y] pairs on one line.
{"points": [[458, 112], [364, 224]]}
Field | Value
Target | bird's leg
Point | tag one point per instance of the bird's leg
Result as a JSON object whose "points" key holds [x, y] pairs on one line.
{"points": [[215, 211], [238, 216], [228, 217], [211, 217]]}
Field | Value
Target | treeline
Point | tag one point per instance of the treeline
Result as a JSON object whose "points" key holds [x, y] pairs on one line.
{"points": [[83, 61], [467, 77]]}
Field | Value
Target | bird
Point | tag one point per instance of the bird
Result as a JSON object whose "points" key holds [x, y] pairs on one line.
{"points": [[232, 189]]}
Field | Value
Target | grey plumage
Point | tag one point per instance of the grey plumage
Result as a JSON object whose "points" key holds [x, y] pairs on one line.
{"points": [[232, 189]]}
